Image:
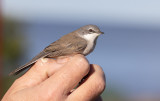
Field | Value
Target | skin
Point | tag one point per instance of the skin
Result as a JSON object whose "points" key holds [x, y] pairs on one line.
{"points": [[55, 80]]}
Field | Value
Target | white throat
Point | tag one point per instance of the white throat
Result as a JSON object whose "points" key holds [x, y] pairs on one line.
{"points": [[90, 38]]}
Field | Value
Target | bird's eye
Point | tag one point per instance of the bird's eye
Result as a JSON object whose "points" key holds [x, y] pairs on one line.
{"points": [[90, 30]]}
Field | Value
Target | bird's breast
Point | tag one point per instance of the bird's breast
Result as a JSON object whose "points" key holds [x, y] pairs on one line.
{"points": [[90, 47]]}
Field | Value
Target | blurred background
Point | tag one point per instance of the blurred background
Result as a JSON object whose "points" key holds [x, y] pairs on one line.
{"points": [[128, 52]]}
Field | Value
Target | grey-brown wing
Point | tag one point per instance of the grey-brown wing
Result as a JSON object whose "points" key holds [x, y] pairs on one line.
{"points": [[68, 46]]}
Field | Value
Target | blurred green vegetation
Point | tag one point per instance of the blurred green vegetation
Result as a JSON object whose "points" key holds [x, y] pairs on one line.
{"points": [[112, 95], [12, 50], [12, 41]]}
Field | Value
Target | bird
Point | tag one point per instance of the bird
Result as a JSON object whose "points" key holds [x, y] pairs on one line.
{"points": [[81, 41]]}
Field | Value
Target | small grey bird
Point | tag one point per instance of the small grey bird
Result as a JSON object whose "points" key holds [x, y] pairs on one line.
{"points": [[80, 41]]}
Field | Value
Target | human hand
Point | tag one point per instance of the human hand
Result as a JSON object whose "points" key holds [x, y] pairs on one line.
{"points": [[55, 80]]}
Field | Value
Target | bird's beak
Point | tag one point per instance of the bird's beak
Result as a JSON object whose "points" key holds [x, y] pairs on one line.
{"points": [[101, 32]]}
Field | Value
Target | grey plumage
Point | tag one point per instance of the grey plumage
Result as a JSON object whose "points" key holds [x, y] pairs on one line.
{"points": [[71, 43]]}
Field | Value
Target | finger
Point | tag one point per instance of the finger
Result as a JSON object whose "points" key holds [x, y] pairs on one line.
{"points": [[42, 69], [92, 87], [67, 77]]}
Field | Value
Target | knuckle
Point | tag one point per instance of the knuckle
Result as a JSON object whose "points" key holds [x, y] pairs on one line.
{"points": [[82, 62], [50, 95], [100, 79], [65, 76], [101, 85]]}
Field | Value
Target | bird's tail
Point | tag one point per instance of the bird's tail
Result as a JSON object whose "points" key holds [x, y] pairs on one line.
{"points": [[20, 69], [30, 63]]}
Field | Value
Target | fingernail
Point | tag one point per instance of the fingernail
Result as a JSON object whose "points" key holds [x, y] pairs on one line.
{"points": [[44, 60], [62, 60]]}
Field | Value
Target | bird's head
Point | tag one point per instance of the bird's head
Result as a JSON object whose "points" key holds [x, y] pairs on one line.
{"points": [[89, 32]]}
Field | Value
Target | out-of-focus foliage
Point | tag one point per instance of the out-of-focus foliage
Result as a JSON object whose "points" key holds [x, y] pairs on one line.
{"points": [[12, 50], [13, 39], [112, 95]]}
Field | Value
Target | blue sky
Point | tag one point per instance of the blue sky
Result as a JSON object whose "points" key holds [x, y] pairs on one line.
{"points": [[131, 11]]}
